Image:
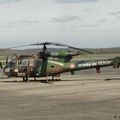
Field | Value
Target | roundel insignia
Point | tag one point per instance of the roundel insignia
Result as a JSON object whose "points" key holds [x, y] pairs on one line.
{"points": [[72, 66]]}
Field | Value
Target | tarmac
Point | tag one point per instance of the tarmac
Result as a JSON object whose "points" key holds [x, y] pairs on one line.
{"points": [[84, 96]]}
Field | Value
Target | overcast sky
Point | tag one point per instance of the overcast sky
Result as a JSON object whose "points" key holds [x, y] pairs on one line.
{"points": [[81, 23]]}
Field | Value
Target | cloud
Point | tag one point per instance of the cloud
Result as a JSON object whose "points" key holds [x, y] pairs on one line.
{"points": [[66, 19], [27, 22], [115, 13], [9, 1], [75, 1], [20, 23], [118, 17], [90, 25], [102, 20]]}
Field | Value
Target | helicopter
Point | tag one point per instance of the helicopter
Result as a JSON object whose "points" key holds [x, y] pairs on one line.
{"points": [[46, 63]]}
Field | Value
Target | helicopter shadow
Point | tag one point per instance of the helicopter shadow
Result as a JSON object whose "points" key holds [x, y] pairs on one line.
{"points": [[49, 81], [7, 80], [109, 79]]}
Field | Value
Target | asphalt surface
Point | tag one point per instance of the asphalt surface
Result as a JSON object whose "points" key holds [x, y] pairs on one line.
{"points": [[84, 96]]}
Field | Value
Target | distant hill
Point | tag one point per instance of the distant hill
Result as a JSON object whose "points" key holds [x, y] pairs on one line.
{"points": [[106, 50], [31, 51]]}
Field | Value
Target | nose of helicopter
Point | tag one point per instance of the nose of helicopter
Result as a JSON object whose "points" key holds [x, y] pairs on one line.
{"points": [[2, 74], [1, 71]]}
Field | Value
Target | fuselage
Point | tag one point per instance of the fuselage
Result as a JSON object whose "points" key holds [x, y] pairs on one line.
{"points": [[37, 67]]}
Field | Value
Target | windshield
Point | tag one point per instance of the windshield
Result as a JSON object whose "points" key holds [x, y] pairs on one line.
{"points": [[23, 62]]}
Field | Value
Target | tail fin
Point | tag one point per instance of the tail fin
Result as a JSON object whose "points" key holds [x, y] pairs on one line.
{"points": [[116, 62]]}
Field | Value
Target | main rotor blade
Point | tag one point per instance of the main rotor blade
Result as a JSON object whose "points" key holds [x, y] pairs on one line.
{"points": [[15, 47], [62, 45], [48, 43]]}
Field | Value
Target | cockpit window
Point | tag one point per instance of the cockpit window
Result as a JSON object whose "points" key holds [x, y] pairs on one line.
{"points": [[11, 63], [23, 62]]}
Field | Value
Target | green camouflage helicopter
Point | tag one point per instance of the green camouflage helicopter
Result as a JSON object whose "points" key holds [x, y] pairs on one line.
{"points": [[45, 63]]}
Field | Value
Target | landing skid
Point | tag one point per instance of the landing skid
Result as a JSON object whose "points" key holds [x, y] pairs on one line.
{"points": [[46, 80], [26, 78], [54, 78]]}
